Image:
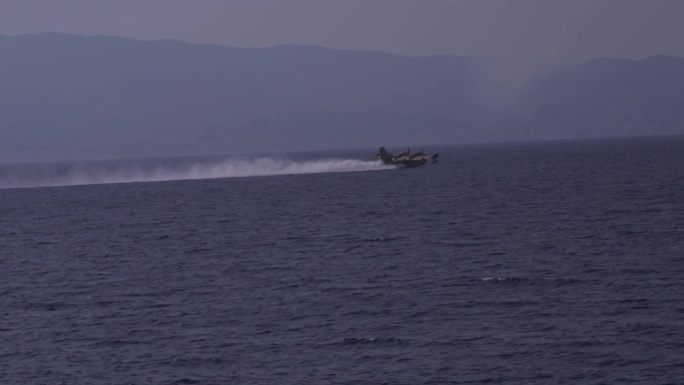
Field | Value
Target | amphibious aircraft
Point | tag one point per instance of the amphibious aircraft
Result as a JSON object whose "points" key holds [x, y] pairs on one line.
{"points": [[406, 158]]}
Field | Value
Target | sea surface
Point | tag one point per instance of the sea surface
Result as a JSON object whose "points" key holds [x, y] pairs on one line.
{"points": [[554, 262]]}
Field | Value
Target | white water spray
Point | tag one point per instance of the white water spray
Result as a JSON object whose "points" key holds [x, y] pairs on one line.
{"points": [[156, 171]]}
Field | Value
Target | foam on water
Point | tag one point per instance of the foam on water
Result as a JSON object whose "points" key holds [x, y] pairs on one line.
{"points": [[154, 171]]}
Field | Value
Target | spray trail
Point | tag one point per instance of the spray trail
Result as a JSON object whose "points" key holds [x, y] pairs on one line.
{"points": [[21, 176]]}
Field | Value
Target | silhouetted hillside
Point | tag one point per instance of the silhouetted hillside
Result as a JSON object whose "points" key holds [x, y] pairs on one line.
{"points": [[611, 97], [122, 96], [81, 97]]}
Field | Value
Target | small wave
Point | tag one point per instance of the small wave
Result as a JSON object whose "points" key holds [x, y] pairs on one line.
{"points": [[378, 239], [374, 340], [41, 243], [460, 244], [531, 281], [116, 342], [291, 237], [366, 312], [49, 306], [502, 279], [185, 381]]}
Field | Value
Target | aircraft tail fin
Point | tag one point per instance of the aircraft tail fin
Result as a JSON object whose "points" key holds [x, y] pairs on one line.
{"points": [[384, 155]]}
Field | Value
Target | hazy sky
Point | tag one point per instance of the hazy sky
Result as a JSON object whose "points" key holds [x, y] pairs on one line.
{"points": [[524, 35]]}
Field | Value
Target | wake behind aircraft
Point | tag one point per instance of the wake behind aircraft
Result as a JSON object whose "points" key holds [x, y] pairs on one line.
{"points": [[406, 158]]}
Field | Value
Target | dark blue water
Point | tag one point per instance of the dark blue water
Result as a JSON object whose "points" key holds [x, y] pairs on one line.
{"points": [[549, 263]]}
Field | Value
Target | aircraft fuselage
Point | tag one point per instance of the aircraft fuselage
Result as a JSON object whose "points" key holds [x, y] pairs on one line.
{"points": [[406, 158]]}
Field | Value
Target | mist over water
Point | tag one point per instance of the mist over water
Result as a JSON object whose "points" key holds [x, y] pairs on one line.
{"points": [[126, 171]]}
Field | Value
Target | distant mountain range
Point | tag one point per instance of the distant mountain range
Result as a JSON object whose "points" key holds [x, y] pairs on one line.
{"points": [[610, 97], [75, 96]]}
